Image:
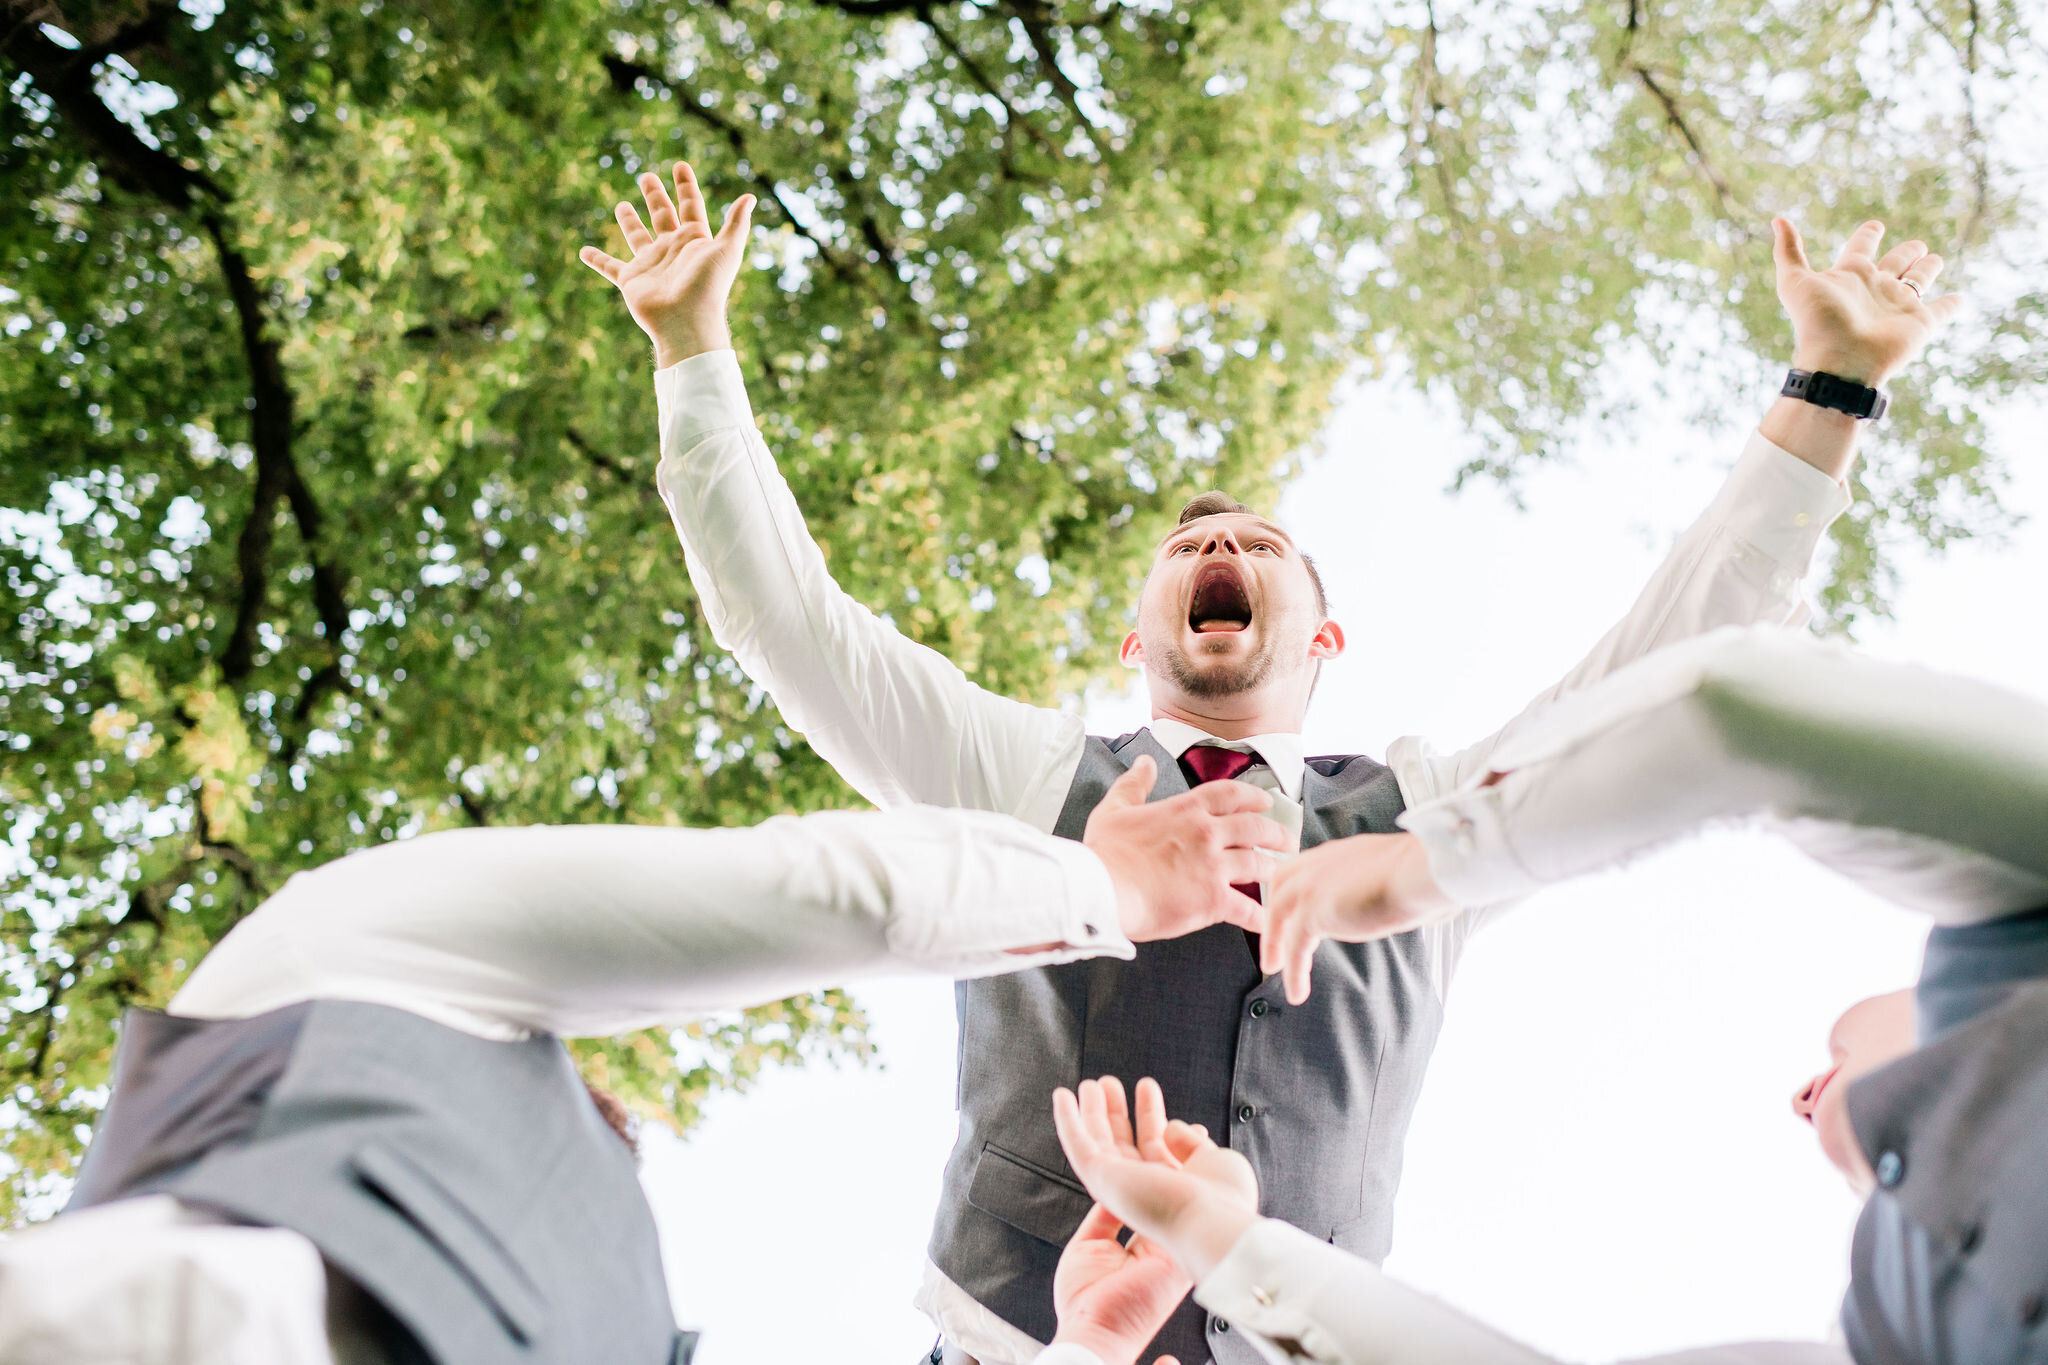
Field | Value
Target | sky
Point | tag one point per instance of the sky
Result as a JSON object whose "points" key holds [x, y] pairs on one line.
{"points": [[1604, 1161]]}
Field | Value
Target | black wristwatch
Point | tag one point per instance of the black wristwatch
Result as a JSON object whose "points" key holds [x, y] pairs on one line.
{"points": [[1832, 391]]}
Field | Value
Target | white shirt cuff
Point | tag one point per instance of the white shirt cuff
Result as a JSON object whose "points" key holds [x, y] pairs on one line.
{"points": [[699, 395], [1044, 890], [1778, 503], [1268, 1285]]}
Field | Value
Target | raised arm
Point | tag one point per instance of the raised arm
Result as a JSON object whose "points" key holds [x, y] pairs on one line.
{"points": [[897, 720], [1745, 560]]}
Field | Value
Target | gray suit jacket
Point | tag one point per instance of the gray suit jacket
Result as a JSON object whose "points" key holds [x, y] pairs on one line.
{"points": [[469, 1187]]}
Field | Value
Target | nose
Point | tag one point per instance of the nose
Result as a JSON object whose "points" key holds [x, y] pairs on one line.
{"points": [[1807, 1097], [1221, 542]]}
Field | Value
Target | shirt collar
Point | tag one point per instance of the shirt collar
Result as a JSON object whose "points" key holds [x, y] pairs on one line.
{"points": [[1282, 753]]}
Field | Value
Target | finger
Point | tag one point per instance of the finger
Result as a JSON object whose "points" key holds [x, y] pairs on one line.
{"points": [[1242, 865], [1241, 910], [1098, 1225], [1896, 261], [1132, 788], [689, 198], [1066, 1121], [1787, 249], [1232, 798], [1152, 1123], [1863, 242], [601, 263], [1924, 271], [1945, 308], [1094, 1115], [1246, 830], [739, 220], [661, 210], [1301, 956], [1118, 1107], [1185, 1139], [637, 235]]}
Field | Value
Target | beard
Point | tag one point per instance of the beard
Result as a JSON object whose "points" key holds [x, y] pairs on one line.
{"points": [[1218, 679]]}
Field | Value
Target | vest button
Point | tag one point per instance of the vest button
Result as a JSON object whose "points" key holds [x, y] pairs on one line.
{"points": [[1891, 1169], [1218, 1326], [1259, 1008], [1245, 1113]]}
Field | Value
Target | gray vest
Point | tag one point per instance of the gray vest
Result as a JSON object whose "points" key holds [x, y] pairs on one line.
{"points": [[469, 1187], [1950, 1260], [1317, 1097]]}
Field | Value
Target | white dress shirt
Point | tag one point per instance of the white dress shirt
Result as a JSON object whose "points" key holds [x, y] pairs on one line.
{"points": [[502, 933], [902, 724]]}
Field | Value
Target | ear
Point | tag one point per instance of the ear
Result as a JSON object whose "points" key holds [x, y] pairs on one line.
{"points": [[1131, 653], [1328, 641]]}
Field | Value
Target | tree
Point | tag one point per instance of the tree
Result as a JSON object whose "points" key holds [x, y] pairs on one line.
{"points": [[329, 472]]}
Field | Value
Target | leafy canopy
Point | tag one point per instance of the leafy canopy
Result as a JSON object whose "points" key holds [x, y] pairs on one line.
{"points": [[326, 505]]}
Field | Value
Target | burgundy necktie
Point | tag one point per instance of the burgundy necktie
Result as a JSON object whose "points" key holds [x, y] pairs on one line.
{"points": [[1214, 763]]}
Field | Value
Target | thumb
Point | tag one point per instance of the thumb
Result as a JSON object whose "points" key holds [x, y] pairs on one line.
{"points": [[739, 219], [1133, 787], [1787, 250]]}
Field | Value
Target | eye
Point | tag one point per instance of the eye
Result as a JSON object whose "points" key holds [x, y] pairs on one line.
{"points": [[1186, 547], [1265, 545]]}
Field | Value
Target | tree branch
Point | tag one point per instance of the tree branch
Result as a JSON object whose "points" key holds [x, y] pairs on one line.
{"points": [[1015, 118], [1036, 19], [1638, 23], [65, 77]]}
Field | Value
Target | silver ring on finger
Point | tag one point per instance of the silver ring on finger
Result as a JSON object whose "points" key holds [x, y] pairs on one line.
{"points": [[1911, 284]]}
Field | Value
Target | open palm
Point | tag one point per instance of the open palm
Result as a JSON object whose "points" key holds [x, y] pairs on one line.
{"points": [[1864, 317], [678, 274], [1167, 1180]]}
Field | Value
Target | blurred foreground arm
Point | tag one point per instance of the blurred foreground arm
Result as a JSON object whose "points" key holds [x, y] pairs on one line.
{"points": [[1929, 790], [602, 929]]}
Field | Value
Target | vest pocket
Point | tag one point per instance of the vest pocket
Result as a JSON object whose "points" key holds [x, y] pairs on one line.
{"points": [[458, 1234], [1027, 1196]]}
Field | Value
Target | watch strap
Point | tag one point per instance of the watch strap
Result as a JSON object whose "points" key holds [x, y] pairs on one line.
{"points": [[1832, 391]]}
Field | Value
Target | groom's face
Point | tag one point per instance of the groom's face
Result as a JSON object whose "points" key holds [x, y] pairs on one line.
{"points": [[1229, 609]]}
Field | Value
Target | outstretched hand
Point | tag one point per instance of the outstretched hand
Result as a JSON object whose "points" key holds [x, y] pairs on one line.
{"points": [[1355, 889], [1166, 1179], [1867, 315], [1173, 861], [679, 273]]}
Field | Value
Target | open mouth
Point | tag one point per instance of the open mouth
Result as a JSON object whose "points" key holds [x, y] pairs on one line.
{"points": [[1219, 602]]}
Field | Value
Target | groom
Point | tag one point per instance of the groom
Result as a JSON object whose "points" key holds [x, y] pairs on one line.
{"points": [[1231, 629]]}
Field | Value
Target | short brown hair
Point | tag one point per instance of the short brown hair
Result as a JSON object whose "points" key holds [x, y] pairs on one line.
{"points": [[1216, 502]]}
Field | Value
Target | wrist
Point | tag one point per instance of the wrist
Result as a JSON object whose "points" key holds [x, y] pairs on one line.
{"points": [[1105, 1345], [1205, 1233], [675, 345], [1857, 368]]}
